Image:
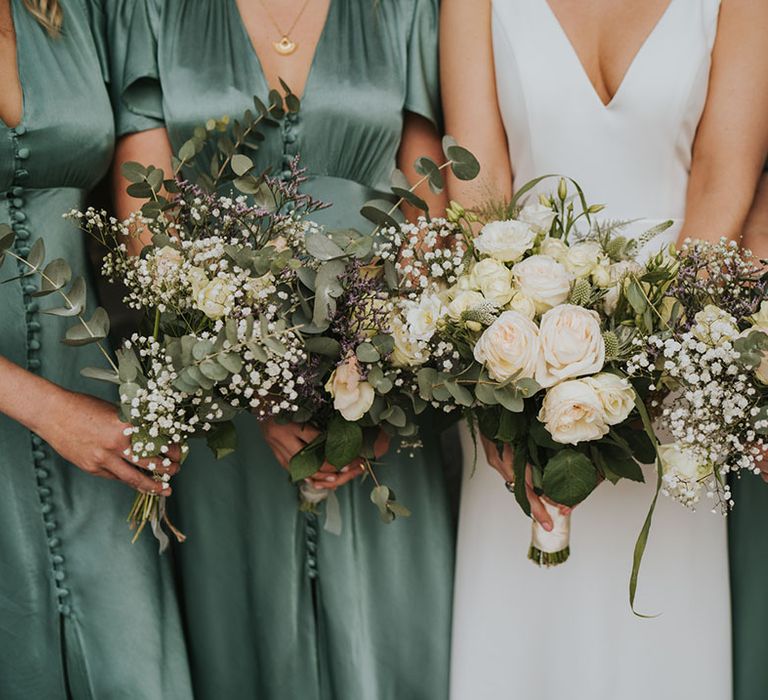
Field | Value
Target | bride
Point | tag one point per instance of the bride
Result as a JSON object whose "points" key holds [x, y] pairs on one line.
{"points": [[658, 109]]}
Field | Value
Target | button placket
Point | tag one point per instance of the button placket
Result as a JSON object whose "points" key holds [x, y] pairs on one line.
{"points": [[16, 203]]}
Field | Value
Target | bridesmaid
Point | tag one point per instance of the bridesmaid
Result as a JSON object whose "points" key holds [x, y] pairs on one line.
{"points": [[746, 524], [276, 607], [83, 613]]}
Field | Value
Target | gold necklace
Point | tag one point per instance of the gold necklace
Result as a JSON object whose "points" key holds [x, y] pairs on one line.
{"points": [[286, 46]]}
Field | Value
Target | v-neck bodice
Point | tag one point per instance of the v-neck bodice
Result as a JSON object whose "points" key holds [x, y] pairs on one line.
{"points": [[637, 57], [373, 62], [633, 154]]}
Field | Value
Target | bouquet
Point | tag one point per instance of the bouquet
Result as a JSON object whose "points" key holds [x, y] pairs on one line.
{"points": [[707, 364], [247, 305], [529, 330]]}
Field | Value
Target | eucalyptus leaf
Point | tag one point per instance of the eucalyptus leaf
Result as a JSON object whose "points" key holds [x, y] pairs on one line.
{"points": [[343, 442]]}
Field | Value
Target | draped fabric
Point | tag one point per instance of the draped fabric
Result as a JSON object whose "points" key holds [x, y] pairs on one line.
{"points": [[83, 613], [276, 607]]}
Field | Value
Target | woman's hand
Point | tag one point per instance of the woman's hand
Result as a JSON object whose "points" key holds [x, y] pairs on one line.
{"points": [[88, 432], [504, 464], [286, 440], [330, 478]]}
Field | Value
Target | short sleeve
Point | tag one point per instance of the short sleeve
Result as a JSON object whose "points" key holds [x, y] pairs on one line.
{"points": [[136, 88], [98, 22], [423, 83]]}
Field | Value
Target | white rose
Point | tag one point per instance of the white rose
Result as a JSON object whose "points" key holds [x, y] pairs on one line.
{"points": [[571, 344], [543, 280], [464, 301], [583, 257], [522, 304], [713, 325], [555, 248], [494, 280], [214, 299], [509, 347], [572, 412], [422, 316], [167, 260], [616, 395], [682, 463], [408, 351], [352, 397], [506, 241], [538, 215], [197, 279]]}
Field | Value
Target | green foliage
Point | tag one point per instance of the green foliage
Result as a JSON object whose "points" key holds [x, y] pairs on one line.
{"points": [[569, 477]]}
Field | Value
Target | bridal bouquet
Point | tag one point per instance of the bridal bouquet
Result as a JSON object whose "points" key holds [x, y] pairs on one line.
{"points": [[530, 331]]}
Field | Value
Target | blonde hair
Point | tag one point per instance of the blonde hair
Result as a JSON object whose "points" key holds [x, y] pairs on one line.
{"points": [[48, 13]]}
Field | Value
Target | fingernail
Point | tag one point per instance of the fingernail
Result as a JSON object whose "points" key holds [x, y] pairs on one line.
{"points": [[344, 470], [330, 478], [548, 527]]}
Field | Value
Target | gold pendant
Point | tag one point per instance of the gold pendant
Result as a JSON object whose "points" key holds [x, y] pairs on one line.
{"points": [[285, 47]]}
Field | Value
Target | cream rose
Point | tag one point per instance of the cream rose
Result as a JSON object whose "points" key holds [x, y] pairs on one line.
{"points": [[616, 395], [538, 215], [509, 347], [352, 397], [681, 463], [543, 280], [714, 325], [167, 261], [571, 344], [572, 412], [555, 248], [214, 300], [582, 258], [506, 241], [408, 351], [494, 280], [523, 305]]}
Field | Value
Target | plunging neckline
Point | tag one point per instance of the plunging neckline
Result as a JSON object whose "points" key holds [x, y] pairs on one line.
{"points": [[19, 72], [627, 73], [315, 56]]}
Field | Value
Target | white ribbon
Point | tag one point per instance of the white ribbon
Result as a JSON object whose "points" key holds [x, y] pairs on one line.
{"points": [[156, 521], [314, 496], [559, 538]]}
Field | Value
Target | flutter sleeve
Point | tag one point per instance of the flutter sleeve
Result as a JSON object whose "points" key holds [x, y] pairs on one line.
{"points": [[423, 82], [136, 87]]}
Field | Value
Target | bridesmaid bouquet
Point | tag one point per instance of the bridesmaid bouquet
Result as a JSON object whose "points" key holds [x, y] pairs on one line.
{"points": [[531, 335], [709, 360], [250, 306]]}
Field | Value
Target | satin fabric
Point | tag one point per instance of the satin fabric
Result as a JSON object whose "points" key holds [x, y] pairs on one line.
{"points": [[748, 550], [83, 613], [276, 607], [533, 633]]}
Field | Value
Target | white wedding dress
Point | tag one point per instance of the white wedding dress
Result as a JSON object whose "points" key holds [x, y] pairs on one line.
{"points": [[526, 633]]}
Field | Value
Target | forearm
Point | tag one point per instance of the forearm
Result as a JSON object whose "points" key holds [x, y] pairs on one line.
{"points": [[22, 394], [718, 202], [756, 228], [147, 147]]}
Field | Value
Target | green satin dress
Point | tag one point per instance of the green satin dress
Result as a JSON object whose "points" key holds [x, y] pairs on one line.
{"points": [[748, 551], [84, 615], [276, 607]]}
